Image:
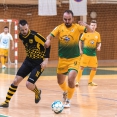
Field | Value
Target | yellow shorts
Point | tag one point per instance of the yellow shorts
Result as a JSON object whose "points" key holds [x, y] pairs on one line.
{"points": [[3, 52], [88, 61], [64, 65]]}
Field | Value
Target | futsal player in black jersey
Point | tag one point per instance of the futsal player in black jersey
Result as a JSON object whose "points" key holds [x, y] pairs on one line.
{"points": [[34, 63]]}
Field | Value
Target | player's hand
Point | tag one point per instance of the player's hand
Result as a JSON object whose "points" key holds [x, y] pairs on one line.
{"points": [[98, 48], [81, 52], [44, 63], [47, 43]]}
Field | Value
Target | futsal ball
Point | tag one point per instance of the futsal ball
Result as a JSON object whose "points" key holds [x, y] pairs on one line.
{"points": [[57, 106]]}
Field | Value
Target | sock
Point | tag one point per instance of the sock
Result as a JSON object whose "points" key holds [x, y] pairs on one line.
{"points": [[92, 74], [79, 75], [36, 91], [70, 92], [2, 60], [5, 59], [64, 86], [10, 93]]}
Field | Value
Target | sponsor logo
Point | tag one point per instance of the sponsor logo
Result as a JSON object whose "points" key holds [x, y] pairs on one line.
{"points": [[30, 40], [78, 0], [31, 79]]}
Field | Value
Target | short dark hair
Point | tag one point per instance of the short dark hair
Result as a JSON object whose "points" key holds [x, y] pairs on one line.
{"points": [[6, 27], [23, 22], [93, 21], [69, 12]]}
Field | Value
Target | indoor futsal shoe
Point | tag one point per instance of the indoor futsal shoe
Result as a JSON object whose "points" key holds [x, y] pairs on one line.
{"points": [[4, 105], [67, 104], [77, 84], [3, 66], [92, 84], [38, 96]]}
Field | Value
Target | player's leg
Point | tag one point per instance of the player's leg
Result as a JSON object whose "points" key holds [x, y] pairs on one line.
{"points": [[92, 74], [80, 70], [63, 84], [4, 54], [83, 63], [72, 72], [11, 91], [6, 58], [22, 72], [62, 70], [71, 87], [93, 63], [30, 84]]}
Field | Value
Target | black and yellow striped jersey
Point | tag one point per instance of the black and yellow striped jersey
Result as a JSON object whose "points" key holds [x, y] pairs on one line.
{"points": [[34, 45]]}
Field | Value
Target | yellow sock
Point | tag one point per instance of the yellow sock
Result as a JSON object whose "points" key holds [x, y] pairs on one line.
{"points": [[79, 75], [70, 92], [10, 93], [5, 59], [64, 86], [2, 60], [92, 74], [36, 91]]}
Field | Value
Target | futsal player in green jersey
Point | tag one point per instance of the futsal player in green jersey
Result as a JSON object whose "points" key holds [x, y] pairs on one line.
{"points": [[68, 36], [90, 43], [34, 63]]}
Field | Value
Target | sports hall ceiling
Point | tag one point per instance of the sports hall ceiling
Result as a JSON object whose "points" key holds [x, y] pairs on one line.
{"points": [[35, 2]]}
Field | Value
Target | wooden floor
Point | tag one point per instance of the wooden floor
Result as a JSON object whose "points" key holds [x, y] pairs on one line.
{"points": [[100, 101]]}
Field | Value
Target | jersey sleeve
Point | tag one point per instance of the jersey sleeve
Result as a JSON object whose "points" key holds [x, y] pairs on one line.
{"points": [[99, 38], [55, 32], [11, 38], [82, 38], [40, 39], [81, 28]]}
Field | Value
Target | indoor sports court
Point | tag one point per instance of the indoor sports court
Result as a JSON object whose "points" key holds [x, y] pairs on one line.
{"points": [[87, 101]]}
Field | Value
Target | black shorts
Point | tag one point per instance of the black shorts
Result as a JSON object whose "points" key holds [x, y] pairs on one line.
{"points": [[31, 66]]}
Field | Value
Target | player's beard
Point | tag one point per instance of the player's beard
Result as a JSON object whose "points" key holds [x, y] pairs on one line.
{"points": [[68, 25]]}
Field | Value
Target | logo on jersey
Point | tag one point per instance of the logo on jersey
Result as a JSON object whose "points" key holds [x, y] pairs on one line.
{"points": [[72, 30], [66, 38], [77, 0], [92, 42], [96, 37], [30, 40], [75, 63], [5, 41]]}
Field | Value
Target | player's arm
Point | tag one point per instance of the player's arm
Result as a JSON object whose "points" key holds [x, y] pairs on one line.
{"points": [[48, 40], [98, 46], [80, 47], [88, 29], [12, 41], [40, 39], [81, 44], [12, 44]]}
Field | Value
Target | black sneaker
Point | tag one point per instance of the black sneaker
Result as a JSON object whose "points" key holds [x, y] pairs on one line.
{"points": [[38, 97], [4, 105]]}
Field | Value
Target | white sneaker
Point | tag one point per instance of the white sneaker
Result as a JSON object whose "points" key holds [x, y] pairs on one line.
{"points": [[64, 96], [3, 66], [67, 104]]}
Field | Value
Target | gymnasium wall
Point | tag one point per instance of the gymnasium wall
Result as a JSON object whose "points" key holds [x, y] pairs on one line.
{"points": [[106, 19]]}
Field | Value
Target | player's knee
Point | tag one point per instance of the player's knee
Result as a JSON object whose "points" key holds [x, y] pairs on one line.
{"points": [[94, 68], [81, 67], [29, 85], [16, 81]]}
